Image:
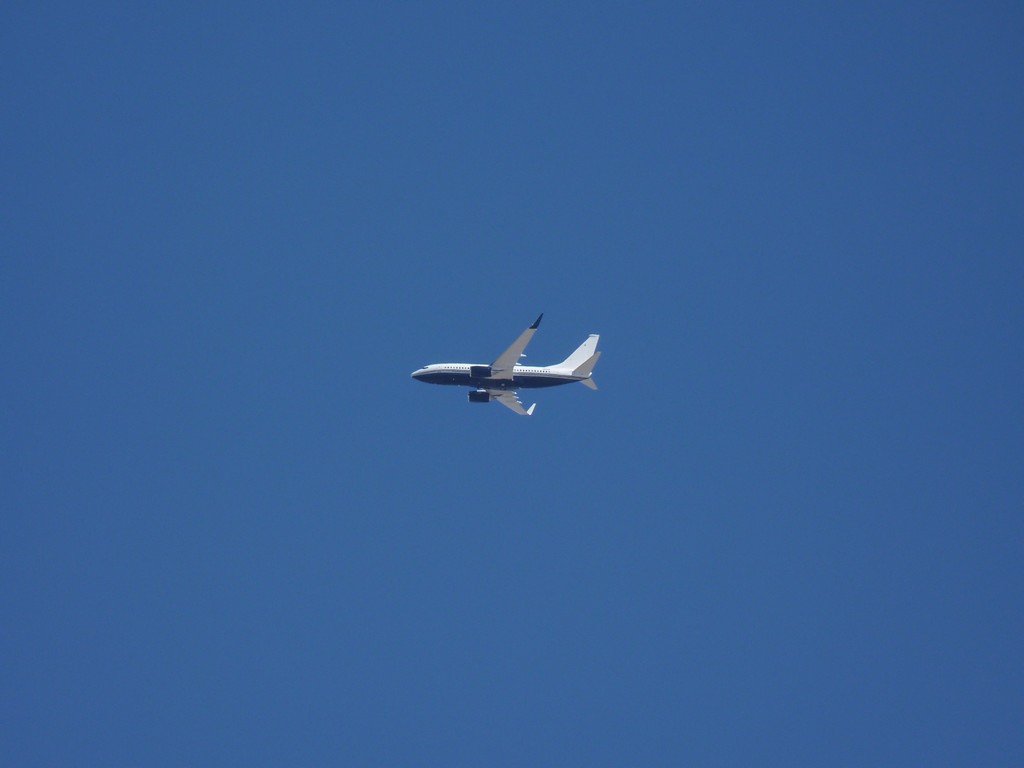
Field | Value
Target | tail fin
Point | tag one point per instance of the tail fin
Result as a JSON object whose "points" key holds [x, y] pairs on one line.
{"points": [[584, 352]]}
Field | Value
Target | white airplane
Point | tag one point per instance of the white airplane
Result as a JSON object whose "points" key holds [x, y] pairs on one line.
{"points": [[500, 380]]}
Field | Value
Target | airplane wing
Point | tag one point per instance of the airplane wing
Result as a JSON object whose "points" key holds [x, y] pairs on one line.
{"points": [[502, 367], [511, 401]]}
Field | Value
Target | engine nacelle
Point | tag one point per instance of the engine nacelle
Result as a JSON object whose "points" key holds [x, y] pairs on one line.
{"points": [[480, 371], [479, 396]]}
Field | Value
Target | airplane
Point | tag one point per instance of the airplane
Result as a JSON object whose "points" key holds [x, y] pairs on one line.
{"points": [[499, 381]]}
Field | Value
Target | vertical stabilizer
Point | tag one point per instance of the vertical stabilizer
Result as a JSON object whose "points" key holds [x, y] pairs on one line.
{"points": [[583, 353]]}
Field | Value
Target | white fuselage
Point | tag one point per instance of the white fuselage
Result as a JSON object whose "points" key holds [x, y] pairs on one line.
{"points": [[523, 376]]}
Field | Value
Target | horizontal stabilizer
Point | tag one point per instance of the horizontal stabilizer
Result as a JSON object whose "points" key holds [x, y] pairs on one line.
{"points": [[585, 368], [588, 382]]}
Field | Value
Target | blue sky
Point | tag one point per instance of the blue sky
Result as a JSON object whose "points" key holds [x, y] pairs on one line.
{"points": [[787, 529]]}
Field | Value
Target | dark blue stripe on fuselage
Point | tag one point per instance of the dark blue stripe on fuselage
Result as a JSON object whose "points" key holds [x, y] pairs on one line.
{"points": [[465, 380]]}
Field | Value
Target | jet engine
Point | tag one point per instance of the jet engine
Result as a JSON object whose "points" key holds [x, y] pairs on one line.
{"points": [[479, 396], [480, 371]]}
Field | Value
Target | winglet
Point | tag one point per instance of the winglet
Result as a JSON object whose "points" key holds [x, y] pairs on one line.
{"points": [[529, 411], [536, 322]]}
